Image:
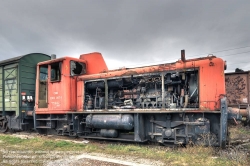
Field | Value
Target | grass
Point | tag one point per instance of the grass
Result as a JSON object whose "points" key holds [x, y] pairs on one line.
{"points": [[239, 132], [244, 131], [191, 155], [196, 155]]}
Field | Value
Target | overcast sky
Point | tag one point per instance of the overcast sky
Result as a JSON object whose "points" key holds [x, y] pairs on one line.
{"points": [[127, 32]]}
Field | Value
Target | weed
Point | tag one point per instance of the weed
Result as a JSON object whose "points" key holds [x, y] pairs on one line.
{"points": [[244, 131], [11, 140]]}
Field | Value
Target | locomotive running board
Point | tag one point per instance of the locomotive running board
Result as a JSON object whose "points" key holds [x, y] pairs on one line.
{"points": [[143, 111]]}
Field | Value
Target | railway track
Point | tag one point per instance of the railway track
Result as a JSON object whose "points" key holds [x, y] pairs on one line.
{"points": [[236, 142]]}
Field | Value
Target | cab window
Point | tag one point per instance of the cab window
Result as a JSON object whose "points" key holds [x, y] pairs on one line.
{"points": [[77, 68], [55, 72], [43, 73]]}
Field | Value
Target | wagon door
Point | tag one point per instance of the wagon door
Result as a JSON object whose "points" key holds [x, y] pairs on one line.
{"points": [[11, 90]]}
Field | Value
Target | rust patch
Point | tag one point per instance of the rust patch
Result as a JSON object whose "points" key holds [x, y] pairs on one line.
{"points": [[130, 72], [236, 89]]}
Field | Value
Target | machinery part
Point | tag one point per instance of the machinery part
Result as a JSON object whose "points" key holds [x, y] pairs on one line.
{"points": [[110, 133], [173, 89], [128, 102], [168, 132], [116, 83], [95, 84], [3, 124], [202, 129], [193, 90], [29, 113], [236, 113], [248, 112], [113, 121], [186, 101]]}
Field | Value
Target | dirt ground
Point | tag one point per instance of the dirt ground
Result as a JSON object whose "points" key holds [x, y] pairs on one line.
{"points": [[94, 159]]}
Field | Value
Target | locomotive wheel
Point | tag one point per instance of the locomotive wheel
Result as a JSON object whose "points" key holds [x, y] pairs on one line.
{"points": [[3, 125]]}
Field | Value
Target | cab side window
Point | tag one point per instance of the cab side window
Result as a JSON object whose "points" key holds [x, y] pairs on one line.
{"points": [[55, 72], [77, 68], [43, 73]]}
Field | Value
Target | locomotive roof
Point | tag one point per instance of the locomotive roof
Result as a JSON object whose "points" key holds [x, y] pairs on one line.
{"points": [[189, 63], [15, 59]]}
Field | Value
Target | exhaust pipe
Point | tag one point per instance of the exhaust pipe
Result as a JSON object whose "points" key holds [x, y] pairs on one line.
{"points": [[183, 58], [53, 56]]}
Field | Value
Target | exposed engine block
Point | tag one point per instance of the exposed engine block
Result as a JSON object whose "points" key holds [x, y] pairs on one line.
{"points": [[180, 90]]}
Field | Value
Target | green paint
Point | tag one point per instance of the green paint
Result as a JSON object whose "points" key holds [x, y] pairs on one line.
{"points": [[18, 75]]}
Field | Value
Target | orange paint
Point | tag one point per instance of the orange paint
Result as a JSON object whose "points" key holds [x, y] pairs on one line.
{"points": [[67, 95], [61, 95], [95, 63]]}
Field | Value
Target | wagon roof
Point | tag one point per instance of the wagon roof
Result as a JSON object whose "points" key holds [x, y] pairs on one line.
{"points": [[15, 59]]}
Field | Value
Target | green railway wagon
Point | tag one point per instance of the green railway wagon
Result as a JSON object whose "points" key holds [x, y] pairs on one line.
{"points": [[17, 91]]}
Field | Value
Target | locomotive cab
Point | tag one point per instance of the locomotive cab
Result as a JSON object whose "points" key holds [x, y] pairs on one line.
{"points": [[56, 84], [57, 89]]}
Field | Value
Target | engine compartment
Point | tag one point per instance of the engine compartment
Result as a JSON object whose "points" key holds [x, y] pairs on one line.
{"points": [[172, 89]]}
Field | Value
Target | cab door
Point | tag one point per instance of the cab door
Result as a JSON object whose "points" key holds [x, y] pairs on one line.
{"points": [[43, 87]]}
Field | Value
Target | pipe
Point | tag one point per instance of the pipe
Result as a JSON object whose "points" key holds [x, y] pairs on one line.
{"points": [[53, 56], [183, 58], [236, 112], [186, 101], [163, 90]]}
